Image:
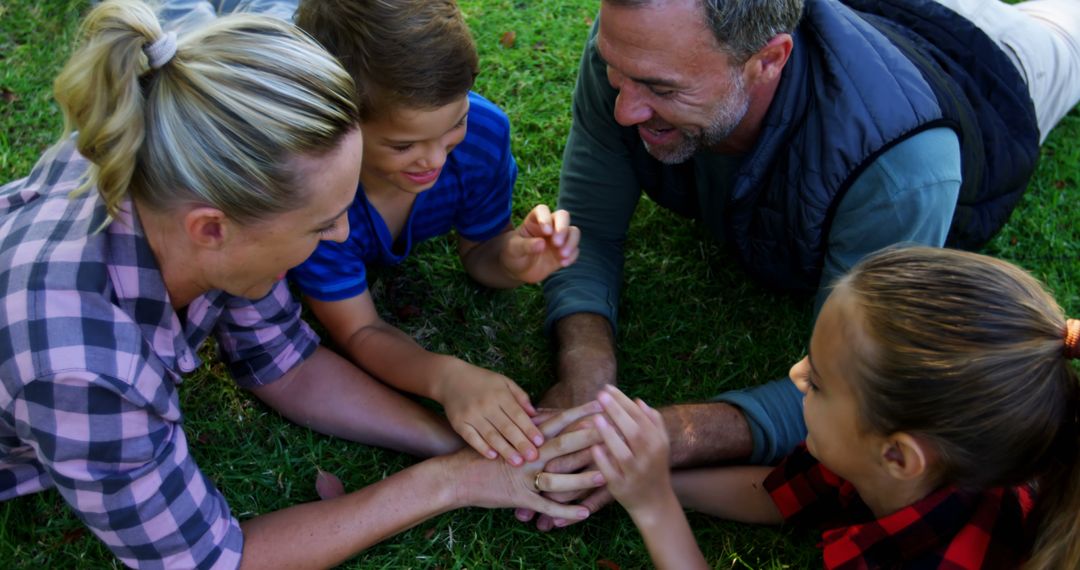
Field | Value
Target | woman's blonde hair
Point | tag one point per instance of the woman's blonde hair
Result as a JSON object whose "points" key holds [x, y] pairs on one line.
{"points": [[968, 352], [414, 54], [215, 125]]}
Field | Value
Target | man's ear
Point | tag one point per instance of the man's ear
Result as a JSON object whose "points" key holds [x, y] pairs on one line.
{"points": [[206, 227], [906, 457], [766, 65]]}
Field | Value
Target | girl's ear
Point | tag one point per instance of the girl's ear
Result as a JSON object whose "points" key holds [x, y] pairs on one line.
{"points": [[905, 457]]}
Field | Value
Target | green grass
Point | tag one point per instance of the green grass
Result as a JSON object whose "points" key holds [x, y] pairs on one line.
{"points": [[692, 324]]}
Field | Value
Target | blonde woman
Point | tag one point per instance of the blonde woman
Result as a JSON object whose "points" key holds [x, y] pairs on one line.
{"points": [[200, 169]]}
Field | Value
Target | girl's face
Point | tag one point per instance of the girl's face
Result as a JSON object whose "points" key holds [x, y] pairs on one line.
{"points": [[405, 149], [827, 377]]}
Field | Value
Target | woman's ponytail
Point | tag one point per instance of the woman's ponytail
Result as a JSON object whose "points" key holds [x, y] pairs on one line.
{"points": [[101, 95]]}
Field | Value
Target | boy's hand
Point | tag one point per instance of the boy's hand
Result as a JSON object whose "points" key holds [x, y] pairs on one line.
{"points": [[544, 242], [491, 413], [635, 463]]}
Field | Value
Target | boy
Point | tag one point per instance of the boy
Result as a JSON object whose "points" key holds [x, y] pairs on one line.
{"points": [[436, 157]]}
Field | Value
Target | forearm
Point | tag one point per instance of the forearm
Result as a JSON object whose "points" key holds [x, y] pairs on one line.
{"points": [[706, 433], [585, 358], [732, 493], [482, 263], [325, 533], [395, 358], [668, 536], [330, 395]]}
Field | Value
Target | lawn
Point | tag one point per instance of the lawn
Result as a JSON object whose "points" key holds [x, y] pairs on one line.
{"points": [[692, 324]]}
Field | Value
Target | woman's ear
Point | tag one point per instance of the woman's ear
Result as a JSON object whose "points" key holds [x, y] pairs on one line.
{"points": [[906, 457], [206, 227]]}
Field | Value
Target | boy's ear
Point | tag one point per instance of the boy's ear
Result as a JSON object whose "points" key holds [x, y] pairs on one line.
{"points": [[206, 227], [905, 457]]}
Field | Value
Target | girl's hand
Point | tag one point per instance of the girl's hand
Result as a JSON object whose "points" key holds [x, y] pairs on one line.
{"points": [[635, 462], [542, 243], [491, 413]]}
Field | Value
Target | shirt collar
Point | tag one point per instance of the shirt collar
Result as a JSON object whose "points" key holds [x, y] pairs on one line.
{"points": [[140, 290]]}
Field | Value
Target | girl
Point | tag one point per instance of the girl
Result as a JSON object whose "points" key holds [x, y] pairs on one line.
{"points": [[938, 397]]}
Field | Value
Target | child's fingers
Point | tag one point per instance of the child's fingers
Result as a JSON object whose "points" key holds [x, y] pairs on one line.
{"points": [[523, 400], [538, 222], [564, 482], [618, 448], [654, 415], [516, 427], [560, 221], [555, 425], [476, 441], [524, 515], [570, 246], [604, 464], [495, 439], [617, 409]]}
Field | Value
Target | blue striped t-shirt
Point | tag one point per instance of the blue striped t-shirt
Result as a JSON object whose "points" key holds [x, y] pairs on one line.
{"points": [[472, 196]]}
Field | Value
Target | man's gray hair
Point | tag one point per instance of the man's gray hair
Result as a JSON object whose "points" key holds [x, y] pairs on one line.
{"points": [[742, 27]]}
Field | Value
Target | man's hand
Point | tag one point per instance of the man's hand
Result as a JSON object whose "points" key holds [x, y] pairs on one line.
{"points": [[543, 243], [491, 413]]}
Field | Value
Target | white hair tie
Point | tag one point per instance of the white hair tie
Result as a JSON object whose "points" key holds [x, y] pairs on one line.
{"points": [[161, 51]]}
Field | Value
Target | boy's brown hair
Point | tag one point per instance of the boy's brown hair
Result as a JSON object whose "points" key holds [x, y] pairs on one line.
{"points": [[416, 54]]}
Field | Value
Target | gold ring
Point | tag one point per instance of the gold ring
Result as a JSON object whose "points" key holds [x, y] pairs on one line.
{"points": [[536, 481]]}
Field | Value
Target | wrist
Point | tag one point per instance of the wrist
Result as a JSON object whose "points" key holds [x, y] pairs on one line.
{"points": [[447, 378], [656, 512]]}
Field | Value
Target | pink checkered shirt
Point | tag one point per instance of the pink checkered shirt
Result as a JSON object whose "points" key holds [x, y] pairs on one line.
{"points": [[91, 358]]}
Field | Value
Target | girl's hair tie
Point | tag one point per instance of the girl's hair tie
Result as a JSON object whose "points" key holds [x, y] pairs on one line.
{"points": [[1072, 338], [161, 51]]}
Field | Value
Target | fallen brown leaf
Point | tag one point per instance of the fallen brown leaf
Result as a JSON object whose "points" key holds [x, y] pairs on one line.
{"points": [[508, 38]]}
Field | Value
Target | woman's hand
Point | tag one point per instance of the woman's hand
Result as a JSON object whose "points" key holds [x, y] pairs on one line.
{"points": [[543, 243], [635, 461], [491, 413], [494, 484]]}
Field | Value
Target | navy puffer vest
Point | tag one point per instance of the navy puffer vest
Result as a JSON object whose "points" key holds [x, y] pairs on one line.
{"points": [[859, 81]]}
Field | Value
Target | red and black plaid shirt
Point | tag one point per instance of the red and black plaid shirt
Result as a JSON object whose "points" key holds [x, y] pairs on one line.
{"points": [[948, 529]]}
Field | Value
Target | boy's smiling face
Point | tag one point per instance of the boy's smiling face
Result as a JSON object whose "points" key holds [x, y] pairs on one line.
{"points": [[405, 149]]}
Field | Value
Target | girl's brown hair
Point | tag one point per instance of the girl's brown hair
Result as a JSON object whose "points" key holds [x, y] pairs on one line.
{"points": [[416, 54], [968, 352]]}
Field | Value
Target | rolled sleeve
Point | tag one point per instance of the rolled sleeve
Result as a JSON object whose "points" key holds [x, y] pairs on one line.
{"points": [[262, 340], [774, 413], [125, 470]]}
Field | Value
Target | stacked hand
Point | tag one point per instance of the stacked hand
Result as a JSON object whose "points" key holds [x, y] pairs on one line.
{"points": [[495, 484], [543, 243], [491, 413]]}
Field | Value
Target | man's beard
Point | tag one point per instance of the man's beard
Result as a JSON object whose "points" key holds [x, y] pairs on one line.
{"points": [[729, 113]]}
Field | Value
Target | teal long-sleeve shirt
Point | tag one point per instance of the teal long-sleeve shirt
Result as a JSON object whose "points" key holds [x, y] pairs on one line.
{"points": [[907, 195]]}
